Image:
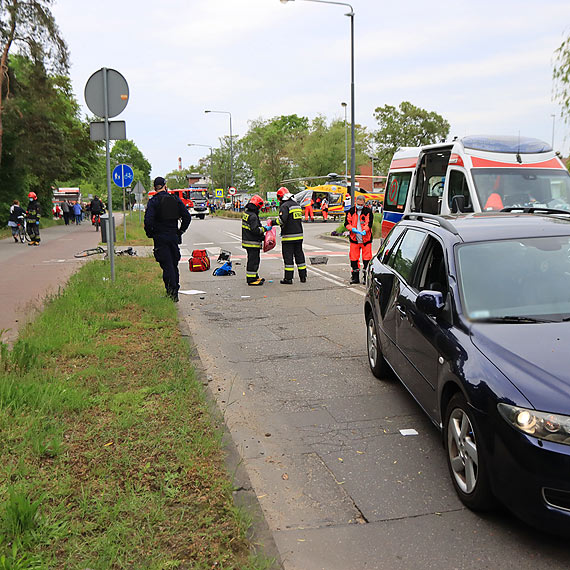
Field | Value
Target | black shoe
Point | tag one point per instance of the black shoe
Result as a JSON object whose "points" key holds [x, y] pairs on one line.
{"points": [[303, 279], [286, 281], [355, 278]]}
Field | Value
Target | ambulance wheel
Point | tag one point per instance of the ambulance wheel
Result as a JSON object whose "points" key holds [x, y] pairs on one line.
{"points": [[378, 365]]}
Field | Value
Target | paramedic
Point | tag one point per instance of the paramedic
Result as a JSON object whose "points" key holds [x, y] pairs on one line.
{"points": [[325, 208], [358, 222], [161, 224], [252, 233], [291, 222], [309, 211]]}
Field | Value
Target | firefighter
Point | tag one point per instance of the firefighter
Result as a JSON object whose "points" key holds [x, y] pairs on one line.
{"points": [[161, 224], [33, 219], [358, 222], [291, 222], [252, 233], [309, 211], [325, 208]]}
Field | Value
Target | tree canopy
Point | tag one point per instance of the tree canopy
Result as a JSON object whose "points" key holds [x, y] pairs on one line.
{"points": [[561, 76]]}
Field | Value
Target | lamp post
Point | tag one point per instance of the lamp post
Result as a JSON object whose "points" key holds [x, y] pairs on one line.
{"points": [[352, 147], [553, 121], [345, 142], [372, 159], [211, 164], [231, 144]]}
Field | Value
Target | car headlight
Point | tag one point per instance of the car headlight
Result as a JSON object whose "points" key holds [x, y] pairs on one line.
{"points": [[543, 425]]}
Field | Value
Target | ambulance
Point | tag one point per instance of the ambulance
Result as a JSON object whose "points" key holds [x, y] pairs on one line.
{"points": [[475, 174]]}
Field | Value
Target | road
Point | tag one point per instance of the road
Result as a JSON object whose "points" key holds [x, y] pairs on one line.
{"points": [[340, 487], [30, 274]]}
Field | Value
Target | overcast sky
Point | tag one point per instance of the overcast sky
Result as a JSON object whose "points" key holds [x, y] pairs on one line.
{"points": [[485, 66]]}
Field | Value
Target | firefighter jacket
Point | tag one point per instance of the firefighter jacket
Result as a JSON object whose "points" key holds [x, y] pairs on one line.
{"points": [[33, 211], [366, 220], [291, 220], [162, 214], [252, 231]]}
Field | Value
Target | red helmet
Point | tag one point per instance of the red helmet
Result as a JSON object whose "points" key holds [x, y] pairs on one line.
{"points": [[283, 193], [256, 200], [32, 195]]}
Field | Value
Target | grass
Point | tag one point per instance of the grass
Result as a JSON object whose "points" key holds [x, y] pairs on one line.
{"points": [[110, 456], [135, 230]]}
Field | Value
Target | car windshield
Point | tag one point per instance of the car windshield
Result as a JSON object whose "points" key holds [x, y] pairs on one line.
{"points": [[197, 195], [515, 278], [499, 188]]}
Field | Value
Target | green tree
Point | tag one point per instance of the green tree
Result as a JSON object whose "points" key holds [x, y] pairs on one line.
{"points": [[561, 76], [407, 125], [30, 26]]}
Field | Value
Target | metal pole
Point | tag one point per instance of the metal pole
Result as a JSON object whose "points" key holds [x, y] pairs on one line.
{"points": [[553, 121], [372, 160], [345, 142], [352, 136], [110, 244], [212, 172], [231, 152], [124, 214]]}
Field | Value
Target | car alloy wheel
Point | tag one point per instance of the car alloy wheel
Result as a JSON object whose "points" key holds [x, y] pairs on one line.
{"points": [[375, 357], [466, 458]]}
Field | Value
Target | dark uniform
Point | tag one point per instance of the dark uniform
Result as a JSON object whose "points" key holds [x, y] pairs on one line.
{"points": [[161, 224], [252, 233], [33, 221], [291, 221]]}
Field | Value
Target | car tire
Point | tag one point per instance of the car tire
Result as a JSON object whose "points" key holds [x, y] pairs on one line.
{"points": [[466, 456], [376, 360], [201, 216]]}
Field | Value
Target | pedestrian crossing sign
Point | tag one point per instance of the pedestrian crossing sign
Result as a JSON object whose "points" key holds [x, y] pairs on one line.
{"points": [[219, 192]]}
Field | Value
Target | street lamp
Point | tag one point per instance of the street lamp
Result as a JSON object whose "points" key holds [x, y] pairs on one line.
{"points": [[211, 164], [372, 159], [345, 141], [352, 147], [231, 145]]}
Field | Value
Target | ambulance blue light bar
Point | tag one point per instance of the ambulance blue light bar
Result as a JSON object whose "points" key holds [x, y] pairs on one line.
{"points": [[507, 144]]}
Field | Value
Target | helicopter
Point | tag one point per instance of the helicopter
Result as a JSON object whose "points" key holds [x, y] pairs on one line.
{"points": [[335, 188]]}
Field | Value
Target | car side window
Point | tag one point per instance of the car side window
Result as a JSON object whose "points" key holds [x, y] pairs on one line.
{"points": [[432, 272], [458, 187], [389, 242], [402, 259]]}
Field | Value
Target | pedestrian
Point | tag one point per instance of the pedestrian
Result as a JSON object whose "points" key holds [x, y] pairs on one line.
{"points": [[96, 208], [252, 233], [290, 220], [161, 224], [16, 215], [77, 212], [309, 213], [33, 219], [358, 222], [325, 208], [65, 209]]}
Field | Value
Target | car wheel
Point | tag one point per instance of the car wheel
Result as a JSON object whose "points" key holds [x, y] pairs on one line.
{"points": [[376, 360], [201, 216], [466, 457]]}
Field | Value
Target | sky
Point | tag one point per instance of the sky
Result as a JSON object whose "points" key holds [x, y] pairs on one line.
{"points": [[484, 66]]}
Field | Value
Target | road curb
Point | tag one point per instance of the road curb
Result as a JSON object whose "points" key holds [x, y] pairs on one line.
{"points": [[259, 534]]}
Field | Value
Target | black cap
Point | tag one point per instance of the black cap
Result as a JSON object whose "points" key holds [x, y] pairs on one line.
{"points": [[159, 181]]}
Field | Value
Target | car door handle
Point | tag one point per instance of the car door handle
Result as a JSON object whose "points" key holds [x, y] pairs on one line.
{"points": [[401, 310]]}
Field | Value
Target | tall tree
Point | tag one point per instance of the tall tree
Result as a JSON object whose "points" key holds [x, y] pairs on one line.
{"points": [[561, 76], [407, 125], [29, 26]]}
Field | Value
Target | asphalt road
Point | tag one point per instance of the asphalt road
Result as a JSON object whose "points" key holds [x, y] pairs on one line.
{"points": [[340, 487]]}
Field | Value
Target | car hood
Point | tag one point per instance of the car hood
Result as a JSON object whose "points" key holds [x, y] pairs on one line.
{"points": [[533, 356]]}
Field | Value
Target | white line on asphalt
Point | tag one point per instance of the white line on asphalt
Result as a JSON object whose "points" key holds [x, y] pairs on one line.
{"points": [[235, 236], [185, 252], [334, 279], [205, 243]]}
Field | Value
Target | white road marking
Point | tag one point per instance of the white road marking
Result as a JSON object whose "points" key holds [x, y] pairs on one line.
{"points": [[235, 236], [185, 252], [334, 279], [205, 243]]}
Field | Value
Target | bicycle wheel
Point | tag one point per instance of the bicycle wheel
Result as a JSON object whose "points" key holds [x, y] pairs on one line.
{"points": [[22, 233]]}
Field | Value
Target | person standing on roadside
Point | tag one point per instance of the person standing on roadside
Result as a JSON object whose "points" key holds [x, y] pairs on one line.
{"points": [[33, 219], [291, 222], [16, 212], [309, 212], [358, 222], [77, 211], [161, 224], [325, 208], [252, 233], [65, 210]]}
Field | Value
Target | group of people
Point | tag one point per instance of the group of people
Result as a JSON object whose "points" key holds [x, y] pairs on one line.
{"points": [[321, 203], [164, 211], [31, 217]]}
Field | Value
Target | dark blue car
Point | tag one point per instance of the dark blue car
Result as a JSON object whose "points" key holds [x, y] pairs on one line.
{"points": [[472, 313]]}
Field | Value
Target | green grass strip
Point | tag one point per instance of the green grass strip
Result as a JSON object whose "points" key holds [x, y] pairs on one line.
{"points": [[110, 456]]}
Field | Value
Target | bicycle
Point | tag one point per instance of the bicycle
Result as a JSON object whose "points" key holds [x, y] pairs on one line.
{"points": [[96, 221], [22, 230], [96, 250]]}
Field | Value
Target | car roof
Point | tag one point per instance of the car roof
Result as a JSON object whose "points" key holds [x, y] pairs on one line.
{"points": [[488, 226]]}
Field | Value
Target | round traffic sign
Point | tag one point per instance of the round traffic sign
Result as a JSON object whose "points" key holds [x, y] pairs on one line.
{"points": [[231, 190], [117, 93], [123, 175]]}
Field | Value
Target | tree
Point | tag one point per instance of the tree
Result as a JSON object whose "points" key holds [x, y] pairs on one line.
{"points": [[561, 76], [30, 26], [406, 126]]}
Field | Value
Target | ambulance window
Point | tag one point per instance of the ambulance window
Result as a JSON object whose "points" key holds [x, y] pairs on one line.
{"points": [[458, 187], [397, 191]]}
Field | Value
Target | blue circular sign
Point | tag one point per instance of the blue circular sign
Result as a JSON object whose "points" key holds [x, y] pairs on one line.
{"points": [[123, 175]]}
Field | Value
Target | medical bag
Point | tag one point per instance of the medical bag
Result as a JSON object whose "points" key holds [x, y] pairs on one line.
{"points": [[199, 260]]}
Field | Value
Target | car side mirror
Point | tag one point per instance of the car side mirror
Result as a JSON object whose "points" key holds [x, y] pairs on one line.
{"points": [[430, 302], [458, 203]]}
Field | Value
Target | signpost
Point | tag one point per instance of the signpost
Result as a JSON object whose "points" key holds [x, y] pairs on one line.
{"points": [[107, 95], [231, 190], [122, 177], [219, 192], [139, 192]]}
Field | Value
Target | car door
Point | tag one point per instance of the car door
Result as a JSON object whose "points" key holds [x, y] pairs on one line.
{"points": [[418, 334]]}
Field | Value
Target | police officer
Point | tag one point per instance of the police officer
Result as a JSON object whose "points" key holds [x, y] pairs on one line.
{"points": [[291, 221], [161, 224]]}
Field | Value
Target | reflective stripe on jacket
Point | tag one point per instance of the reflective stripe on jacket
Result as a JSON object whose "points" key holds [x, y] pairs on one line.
{"points": [[252, 231]]}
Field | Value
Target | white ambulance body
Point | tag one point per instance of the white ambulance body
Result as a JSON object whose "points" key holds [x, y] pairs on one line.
{"points": [[475, 174]]}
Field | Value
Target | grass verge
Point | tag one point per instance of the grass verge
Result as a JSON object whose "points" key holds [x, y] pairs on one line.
{"points": [[110, 457], [135, 231]]}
